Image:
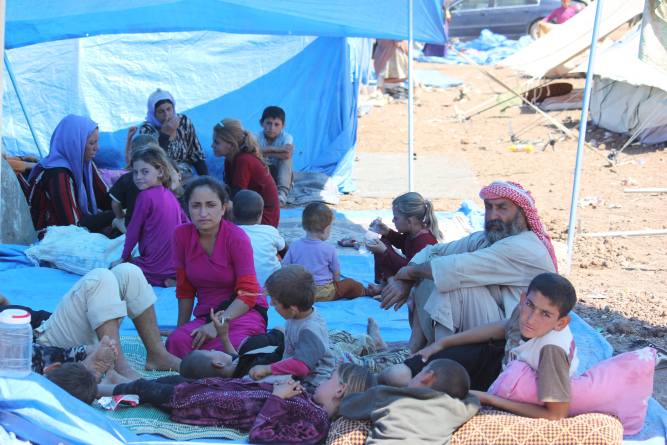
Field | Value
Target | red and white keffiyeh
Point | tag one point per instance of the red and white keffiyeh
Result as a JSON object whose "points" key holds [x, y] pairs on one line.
{"points": [[521, 197]]}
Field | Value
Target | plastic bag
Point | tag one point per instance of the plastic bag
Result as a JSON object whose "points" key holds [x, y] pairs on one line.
{"points": [[76, 250]]}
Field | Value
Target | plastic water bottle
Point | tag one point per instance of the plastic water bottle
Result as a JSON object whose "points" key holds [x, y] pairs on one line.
{"points": [[371, 235], [15, 343]]}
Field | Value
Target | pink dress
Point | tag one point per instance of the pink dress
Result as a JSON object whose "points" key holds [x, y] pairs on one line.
{"points": [[214, 278], [157, 212]]}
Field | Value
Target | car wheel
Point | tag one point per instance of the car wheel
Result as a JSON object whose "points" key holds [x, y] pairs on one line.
{"points": [[532, 31]]}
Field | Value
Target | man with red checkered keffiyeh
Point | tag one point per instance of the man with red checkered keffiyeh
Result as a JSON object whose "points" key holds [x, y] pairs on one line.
{"points": [[478, 279]]}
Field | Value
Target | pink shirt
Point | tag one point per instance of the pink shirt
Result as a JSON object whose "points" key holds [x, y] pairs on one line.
{"points": [[156, 215], [561, 15], [214, 277]]}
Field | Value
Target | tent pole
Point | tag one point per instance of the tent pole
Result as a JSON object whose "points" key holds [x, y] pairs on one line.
{"points": [[582, 135], [411, 148], [10, 71]]}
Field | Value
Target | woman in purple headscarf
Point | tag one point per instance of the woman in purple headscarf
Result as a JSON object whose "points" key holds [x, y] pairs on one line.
{"points": [[175, 134], [65, 187]]}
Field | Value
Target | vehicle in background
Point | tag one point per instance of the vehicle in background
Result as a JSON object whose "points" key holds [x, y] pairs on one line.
{"points": [[511, 18]]}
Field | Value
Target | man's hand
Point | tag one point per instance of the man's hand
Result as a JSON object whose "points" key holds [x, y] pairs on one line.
{"points": [[415, 272], [283, 151], [286, 389], [116, 263], [171, 125], [260, 371], [376, 246], [203, 334], [396, 293]]}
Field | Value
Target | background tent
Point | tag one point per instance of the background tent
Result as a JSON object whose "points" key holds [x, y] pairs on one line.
{"points": [[65, 62], [629, 97]]}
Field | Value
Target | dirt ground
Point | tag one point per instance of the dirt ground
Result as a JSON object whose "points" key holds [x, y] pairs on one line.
{"points": [[621, 281]]}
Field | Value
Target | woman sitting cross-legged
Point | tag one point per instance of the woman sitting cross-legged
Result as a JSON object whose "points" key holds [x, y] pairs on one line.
{"points": [[214, 265]]}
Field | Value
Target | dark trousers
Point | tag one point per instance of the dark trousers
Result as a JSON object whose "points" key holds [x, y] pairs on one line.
{"points": [[156, 392]]}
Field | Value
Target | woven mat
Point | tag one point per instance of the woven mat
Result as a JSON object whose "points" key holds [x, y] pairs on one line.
{"points": [[145, 419]]}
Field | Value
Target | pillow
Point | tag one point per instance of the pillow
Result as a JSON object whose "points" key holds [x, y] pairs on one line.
{"points": [[621, 385], [489, 427]]}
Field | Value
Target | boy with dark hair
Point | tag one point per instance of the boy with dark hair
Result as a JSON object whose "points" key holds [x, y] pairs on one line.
{"points": [[77, 380], [307, 354], [276, 147], [436, 402], [537, 333], [320, 257], [265, 240]]}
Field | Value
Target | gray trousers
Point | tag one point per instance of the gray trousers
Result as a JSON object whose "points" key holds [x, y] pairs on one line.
{"points": [[283, 174]]}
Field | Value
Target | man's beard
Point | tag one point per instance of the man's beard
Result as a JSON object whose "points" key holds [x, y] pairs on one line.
{"points": [[511, 229]]}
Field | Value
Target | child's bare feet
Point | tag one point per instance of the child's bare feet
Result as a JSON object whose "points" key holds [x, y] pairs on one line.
{"points": [[373, 291], [373, 330], [123, 368], [169, 282], [101, 357], [111, 377]]}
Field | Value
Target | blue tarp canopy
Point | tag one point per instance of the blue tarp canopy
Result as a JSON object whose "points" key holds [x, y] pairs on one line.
{"points": [[218, 58]]}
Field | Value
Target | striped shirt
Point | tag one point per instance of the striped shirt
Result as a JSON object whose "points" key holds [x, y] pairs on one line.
{"points": [[52, 197]]}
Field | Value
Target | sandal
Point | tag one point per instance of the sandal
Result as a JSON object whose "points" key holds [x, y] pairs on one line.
{"points": [[347, 242]]}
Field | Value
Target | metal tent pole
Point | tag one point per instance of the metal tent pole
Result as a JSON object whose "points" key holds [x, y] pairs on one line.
{"points": [[582, 135], [411, 148], [10, 71]]}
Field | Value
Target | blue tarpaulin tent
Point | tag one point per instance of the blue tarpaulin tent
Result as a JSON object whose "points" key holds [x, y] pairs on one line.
{"points": [[218, 58]]}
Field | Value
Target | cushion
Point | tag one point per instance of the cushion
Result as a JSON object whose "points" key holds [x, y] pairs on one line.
{"points": [[490, 427], [621, 386]]}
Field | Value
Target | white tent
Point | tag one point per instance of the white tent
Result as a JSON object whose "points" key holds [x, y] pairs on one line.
{"points": [[630, 97]]}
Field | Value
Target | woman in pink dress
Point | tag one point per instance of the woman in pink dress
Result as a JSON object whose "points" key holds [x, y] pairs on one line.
{"points": [[214, 265]]}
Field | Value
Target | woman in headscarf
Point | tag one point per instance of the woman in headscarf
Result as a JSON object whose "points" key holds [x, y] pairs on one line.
{"points": [[65, 187], [175, 134]]}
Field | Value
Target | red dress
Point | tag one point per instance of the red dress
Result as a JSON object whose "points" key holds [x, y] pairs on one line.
{"points": [[389, 263], [247, 172]]}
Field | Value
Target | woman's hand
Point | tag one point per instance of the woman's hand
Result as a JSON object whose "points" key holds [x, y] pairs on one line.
{"points": [[287, 389], [203, 334], [376, 246], [260, 371], [483, 397], [171, 126]]}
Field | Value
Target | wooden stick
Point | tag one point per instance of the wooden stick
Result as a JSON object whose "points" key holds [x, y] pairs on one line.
{"points": [[628, 233], [558, 125], [645, 190]]}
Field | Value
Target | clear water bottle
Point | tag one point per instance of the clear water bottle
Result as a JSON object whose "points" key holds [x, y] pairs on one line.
{"points": [[371, 235], [15, 343]]}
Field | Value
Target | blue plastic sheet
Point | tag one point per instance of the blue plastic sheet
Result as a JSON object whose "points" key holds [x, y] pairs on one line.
{"points": [[85, 58], [434, 78], [488, 49]]}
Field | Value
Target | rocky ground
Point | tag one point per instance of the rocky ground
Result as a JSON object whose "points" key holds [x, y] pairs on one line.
{"points": [[621, 281]]}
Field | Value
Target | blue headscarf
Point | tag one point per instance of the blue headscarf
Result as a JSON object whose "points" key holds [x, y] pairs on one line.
{"points": [[154, 98], [68, 144]]}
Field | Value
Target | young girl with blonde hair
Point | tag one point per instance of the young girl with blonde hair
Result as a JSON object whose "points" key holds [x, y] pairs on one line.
{"points": [[416, 228], [156, 214], [245, 168]]}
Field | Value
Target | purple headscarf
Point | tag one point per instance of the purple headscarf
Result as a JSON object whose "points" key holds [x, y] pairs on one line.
{"points": [[154, 98], [68, 144]]}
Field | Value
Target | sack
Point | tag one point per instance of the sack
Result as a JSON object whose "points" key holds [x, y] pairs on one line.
{"points": [[75, 250]]}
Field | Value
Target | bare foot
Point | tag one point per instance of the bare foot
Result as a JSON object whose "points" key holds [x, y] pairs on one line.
{"points": [[373, 291], [162, 362], [169, 282], [373, 330], [102, 356], [166, 332], [113, 378], [123, 368]]}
